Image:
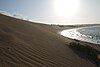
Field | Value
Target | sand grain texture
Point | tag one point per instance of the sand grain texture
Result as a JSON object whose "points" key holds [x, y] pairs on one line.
{"points": [[26, 44]]}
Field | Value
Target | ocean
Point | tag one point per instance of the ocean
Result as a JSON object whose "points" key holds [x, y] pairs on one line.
{"points": [[88, 34]]}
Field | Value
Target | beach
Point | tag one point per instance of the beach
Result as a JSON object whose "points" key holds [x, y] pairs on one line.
{"points": [[27, 44], [86, 34]]}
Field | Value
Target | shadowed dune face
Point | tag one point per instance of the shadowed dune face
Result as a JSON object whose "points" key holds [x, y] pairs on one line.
{"points": [[4, 39], [25, 44]]}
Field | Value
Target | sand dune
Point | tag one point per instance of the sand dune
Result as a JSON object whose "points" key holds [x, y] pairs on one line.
{"points": [[26, 44]]}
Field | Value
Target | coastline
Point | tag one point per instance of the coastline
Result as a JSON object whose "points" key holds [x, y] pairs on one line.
{"points": [[28, 44], [75, 34]]}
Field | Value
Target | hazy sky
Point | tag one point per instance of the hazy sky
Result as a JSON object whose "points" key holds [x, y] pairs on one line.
{"points": [[43, 11]]}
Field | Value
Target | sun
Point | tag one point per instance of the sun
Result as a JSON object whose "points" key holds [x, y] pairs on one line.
{"points": [[66, 8]]}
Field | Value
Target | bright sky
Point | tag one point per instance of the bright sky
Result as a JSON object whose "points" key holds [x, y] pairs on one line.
{"points": [[55, 11]]}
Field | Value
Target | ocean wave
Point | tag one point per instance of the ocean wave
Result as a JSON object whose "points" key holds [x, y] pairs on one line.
{"points": [[88, 34]]}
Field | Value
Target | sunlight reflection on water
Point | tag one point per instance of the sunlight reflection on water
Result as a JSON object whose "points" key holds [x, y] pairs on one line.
{"points": [[74, 34]]}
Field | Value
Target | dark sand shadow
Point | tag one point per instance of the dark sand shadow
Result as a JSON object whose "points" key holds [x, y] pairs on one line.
{"points": [[85, 52]]}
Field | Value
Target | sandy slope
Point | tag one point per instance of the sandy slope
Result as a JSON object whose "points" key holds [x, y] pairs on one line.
{"points": [[25, 44]]}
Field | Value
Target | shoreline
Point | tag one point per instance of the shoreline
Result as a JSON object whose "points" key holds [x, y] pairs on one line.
{"points": [[27, 44], [74, 34]]}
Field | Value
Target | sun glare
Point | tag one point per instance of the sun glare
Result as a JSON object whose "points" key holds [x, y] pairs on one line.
{"points": [[66, 8]]}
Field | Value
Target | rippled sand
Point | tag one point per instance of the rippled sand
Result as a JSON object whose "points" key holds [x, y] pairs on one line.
{"points": [[26, 44]]}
